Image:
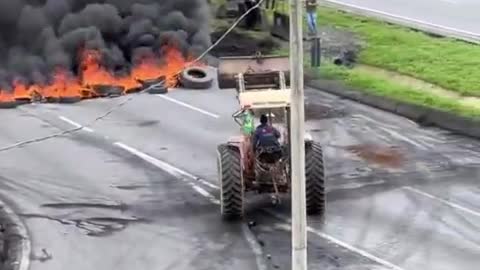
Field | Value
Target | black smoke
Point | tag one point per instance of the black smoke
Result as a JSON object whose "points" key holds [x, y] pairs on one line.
{"points": [[38, 36]]}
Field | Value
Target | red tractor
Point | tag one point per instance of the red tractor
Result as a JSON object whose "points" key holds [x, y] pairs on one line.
{"points": [[240, 168]]}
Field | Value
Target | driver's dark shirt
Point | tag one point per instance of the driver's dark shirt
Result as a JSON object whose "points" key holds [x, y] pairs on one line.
{"points": [[265, 136]]}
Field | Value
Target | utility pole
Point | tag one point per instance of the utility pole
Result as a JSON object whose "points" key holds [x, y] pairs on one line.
{"points": [[299, 213]]}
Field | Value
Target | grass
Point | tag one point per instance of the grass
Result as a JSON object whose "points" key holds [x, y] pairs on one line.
{"points": [[378, 86], [448, 63]]}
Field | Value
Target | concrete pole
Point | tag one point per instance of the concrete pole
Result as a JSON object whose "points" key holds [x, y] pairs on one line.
{"points": [[299, 214]]}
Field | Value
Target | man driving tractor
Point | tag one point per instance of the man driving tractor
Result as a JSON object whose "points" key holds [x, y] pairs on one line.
{"points": [[266, 140]]}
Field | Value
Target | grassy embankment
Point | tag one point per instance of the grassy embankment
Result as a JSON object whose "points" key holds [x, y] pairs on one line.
{"points": [[414, 61]]}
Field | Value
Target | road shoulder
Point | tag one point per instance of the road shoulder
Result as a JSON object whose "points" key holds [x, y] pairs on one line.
{"points": [[418, 113], [14, 240]]}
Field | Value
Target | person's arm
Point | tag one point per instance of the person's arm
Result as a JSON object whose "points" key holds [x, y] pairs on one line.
{"points": [[276, 133]]}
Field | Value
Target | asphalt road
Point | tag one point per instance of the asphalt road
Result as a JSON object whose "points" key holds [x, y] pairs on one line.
{"points": [[457, 15], [139, 191]]}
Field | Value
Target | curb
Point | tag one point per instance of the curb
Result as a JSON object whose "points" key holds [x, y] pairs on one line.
{"points": [[422, 115], [17, 246]]}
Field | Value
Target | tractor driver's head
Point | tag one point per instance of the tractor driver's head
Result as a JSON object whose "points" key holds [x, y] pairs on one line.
{"points": [[263, 119]]}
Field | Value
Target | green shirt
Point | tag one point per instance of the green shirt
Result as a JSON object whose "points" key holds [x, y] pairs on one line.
{"points": [[248, 123]]}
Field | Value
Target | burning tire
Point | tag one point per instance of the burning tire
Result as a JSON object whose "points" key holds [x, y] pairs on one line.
{"points": [[150, 82], [196, 78], [8, 104], [69, 100], [22, 101], [133, 90], [315, 179], [52, 99], [108, 90], [231, 182], [158, 89]]}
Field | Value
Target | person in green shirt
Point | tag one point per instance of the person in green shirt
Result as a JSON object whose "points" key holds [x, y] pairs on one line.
{"points": [[248, 122], [246, 119]]}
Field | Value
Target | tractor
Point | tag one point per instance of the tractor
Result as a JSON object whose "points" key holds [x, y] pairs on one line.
{"points": [[261, 88]]}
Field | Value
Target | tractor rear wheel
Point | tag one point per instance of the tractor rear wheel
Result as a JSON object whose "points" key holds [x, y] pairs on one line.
{"points": [[231, 182], [315, 179]]}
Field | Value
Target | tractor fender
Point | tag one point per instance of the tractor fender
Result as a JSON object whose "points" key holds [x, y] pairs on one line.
{"points": [[235, 140], [243, 145]]}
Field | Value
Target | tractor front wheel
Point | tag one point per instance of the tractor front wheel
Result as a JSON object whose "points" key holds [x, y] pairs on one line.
{"points": [[315, 179], [231, 181]]}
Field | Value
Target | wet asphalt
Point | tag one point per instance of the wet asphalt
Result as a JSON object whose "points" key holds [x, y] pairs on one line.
{"points": [[90, 204]]}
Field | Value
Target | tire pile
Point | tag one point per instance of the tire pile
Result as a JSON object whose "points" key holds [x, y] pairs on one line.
{"points": [[192, 78]]}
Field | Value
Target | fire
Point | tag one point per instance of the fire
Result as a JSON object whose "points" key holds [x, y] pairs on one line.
{"points": [[20, 90], [63, 85], [92, 73], [6, 96], [151, 69]]}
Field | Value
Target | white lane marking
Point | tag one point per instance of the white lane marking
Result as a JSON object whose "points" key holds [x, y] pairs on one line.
{"points": [[176, 172], [189, 106], [179, 173], [451, 204], [75, 124], [204, 193], [337, 242], [476, 35], [450, 1], [257, 249], [24, 262], [165, 166], [404, 138]]}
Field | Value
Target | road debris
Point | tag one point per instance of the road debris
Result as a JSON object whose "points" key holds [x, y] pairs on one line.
{"points": [[44, 256], [388, 156]]}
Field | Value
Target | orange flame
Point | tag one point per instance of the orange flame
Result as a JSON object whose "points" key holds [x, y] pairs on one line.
{"points": [[20, 90], [151, 69], [93, 73], [6, 96]]}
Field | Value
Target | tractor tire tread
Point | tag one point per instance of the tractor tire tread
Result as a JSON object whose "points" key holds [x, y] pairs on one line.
{"points": [[315, 180], [231, 182]]}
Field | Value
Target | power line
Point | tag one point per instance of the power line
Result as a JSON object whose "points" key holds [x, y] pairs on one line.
{"points": [[119, 105]]}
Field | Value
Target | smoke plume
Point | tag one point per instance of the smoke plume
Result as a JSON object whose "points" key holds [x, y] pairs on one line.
{"points": [[39, 36]]}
